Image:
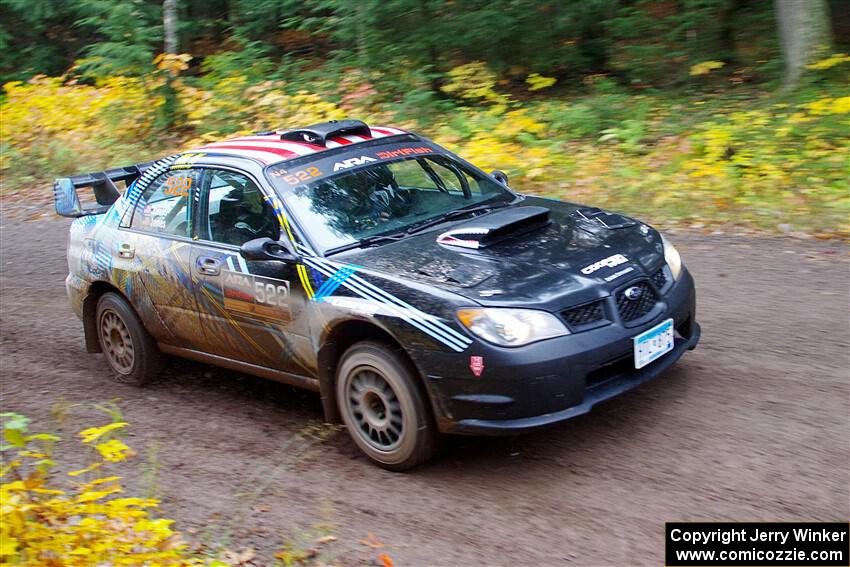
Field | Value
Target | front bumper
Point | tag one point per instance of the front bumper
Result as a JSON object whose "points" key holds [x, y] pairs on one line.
{"points": [[529, 387]]}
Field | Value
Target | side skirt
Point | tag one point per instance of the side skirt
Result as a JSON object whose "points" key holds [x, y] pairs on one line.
{"points": [[239, 366]]}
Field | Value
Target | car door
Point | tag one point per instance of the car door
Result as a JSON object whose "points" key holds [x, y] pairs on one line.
{"points": [[251, 311], [156, 244]]}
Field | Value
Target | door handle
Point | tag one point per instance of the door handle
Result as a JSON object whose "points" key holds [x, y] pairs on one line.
{"points": [[126, 250], [209, 266]]}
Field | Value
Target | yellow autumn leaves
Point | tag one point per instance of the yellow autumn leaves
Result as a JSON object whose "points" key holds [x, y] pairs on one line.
{"points": [[45, 521], [750, 161]]}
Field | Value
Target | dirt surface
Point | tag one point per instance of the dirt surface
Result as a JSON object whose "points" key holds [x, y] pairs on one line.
{"points": [[752, 425]]}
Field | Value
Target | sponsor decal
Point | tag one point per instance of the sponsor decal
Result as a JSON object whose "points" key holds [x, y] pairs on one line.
{"points": [[404, 152], [456, 237], [490, 292], [476, 364], [297, 176], [177, 186], [609, 262], [186, 161], [355, 305], [619, 274], [256, 296], [352, 162]]}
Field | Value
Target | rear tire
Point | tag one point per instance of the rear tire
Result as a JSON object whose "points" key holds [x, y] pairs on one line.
{"points": [[130, 351], [383, 407]]}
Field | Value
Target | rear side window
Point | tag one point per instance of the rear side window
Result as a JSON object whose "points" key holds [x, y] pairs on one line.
{"points": [[165, 206]]}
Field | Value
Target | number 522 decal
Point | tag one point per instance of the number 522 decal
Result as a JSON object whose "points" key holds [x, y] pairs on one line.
{"points": [[256, 296], [294, 177]]}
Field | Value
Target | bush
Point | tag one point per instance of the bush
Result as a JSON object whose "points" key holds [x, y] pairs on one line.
{"points": [[81, 520], [751, 159]]}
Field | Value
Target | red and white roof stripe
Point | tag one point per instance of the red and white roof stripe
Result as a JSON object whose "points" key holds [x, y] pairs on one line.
{"points": [[271, 149]]}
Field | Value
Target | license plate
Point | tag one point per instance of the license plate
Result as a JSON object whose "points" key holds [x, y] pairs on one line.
{"points": [[652, 344]]}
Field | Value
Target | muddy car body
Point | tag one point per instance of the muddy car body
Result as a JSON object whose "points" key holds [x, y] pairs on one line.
{"points": [[415, 292]]}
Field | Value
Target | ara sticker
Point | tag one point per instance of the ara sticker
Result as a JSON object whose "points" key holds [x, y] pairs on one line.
{"points": [[256, 296], [476, 364], [352, 162]]}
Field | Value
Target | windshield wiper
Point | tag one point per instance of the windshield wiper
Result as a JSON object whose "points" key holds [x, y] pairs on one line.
{"points": [[395, 236], [456, 214], [368, 241]]}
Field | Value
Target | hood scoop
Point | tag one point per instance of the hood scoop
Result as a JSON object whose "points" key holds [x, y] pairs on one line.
{"points": [[599, 218], [492, 228]]}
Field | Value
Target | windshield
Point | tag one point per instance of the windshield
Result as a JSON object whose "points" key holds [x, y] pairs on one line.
{"points": [[387, 197]]}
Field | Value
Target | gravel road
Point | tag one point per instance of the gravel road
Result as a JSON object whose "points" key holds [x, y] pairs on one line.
{"points": [[752, 425]]}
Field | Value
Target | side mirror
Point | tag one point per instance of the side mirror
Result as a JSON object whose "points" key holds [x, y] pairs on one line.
{"points": [[500, 176], [267, 249]]}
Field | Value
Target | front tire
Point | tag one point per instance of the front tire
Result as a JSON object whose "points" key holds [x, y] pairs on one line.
{"points": [[382, 405], [129, 349]]}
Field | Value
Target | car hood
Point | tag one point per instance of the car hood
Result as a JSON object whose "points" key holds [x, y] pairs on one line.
{"points": [[569, 260]]}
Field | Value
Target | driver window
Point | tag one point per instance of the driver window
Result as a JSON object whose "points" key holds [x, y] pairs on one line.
{"points": [[236, 210]]}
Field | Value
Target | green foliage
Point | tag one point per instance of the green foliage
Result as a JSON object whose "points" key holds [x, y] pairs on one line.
{"points": [[251, 62], [643, 42], [35, 36], [660, 42], [743, 156], [546, 89], [129, 33]]}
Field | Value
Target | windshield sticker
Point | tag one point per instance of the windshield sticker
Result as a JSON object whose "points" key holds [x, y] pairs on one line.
{"points": [[297, 176], [352, 162], [404, 152], [294, 174], [177, 186], [186, 161]]}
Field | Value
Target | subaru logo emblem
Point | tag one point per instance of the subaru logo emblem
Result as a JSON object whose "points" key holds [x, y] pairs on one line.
{"points": [[633, 293]]}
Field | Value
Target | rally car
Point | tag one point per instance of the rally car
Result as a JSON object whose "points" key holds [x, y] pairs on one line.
{"points": [[417, 294]]}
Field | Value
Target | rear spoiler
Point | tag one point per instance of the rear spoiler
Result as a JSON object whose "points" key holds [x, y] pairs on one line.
{"points": [[102, 183]]}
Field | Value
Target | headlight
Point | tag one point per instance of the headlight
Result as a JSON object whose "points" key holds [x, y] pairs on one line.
{"points": [[511, 327], [671, 256]]}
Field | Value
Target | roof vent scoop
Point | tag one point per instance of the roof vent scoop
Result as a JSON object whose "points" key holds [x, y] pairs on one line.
{"points": [[318, 134]]}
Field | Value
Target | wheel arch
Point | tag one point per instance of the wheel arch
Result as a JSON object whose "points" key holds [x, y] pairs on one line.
{"points": [[339, 339], [95, 292]]}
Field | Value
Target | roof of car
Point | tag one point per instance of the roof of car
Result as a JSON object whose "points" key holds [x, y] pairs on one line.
{"points": [[269, 147]]}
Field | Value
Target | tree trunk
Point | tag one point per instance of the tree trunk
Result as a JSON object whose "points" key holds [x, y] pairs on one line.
{"points": [[169, 25], [169, 109], [804, 30]]}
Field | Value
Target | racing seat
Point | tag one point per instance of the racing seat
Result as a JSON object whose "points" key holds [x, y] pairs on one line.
{"points": [[228, 212]]}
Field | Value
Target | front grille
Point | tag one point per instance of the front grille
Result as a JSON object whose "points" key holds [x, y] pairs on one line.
{"points": [[659, 278], [623, 366], [631, 309], [584, 314]]}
